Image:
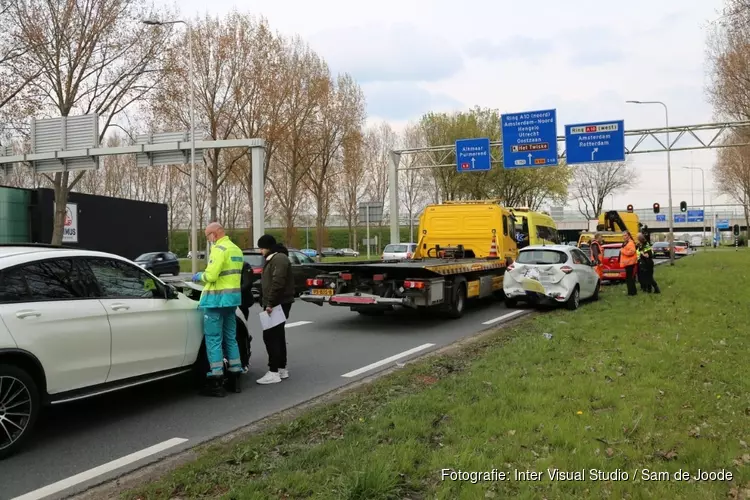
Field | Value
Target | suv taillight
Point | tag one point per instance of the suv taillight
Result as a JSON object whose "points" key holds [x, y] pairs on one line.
{"points": [[566, 269]]}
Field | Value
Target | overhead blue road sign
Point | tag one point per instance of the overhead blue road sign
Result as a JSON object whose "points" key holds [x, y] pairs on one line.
{"points": [[597, 142], [661, 218], [722, 224], [473, 155], [530, 139], [680, 218], [695, 215]]}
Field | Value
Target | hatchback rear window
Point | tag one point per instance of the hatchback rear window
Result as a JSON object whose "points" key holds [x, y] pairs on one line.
{"points": [[395, 249], [542, 257], [611, 252]]}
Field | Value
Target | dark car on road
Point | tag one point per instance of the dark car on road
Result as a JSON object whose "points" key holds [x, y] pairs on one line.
{"points": [[302, 267], [660, 249], [159, 263], [329, 252]]}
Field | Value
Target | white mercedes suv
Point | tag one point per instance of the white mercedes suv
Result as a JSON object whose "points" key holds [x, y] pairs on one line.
{"points": [[77, 323]]}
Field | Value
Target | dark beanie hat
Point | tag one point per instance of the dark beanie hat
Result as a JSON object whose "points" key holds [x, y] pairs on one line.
{"points": [[266, 241]]}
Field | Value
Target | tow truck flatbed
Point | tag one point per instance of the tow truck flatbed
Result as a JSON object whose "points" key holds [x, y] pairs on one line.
{"points": [[436, 266]]}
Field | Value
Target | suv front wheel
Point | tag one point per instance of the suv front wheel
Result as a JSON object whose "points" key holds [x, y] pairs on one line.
{"points": [[19, 408]]}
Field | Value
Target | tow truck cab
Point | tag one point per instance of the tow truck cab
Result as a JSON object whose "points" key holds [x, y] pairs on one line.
{"points": [[534, 228], [612, 225]]}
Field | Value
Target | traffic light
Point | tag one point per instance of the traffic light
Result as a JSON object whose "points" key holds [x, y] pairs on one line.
{"points": [[736, 229], [683, 206], [656, 208], [630, 209]]}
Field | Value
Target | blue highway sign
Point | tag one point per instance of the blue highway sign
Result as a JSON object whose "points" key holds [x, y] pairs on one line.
{"points": [[473, 155], [661, 218], [680, 218], [530, 139], [595, 142], [722, 224], [695, 215]]}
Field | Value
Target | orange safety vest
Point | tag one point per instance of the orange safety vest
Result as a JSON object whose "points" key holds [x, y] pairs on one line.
{"points": [[628, 254]]}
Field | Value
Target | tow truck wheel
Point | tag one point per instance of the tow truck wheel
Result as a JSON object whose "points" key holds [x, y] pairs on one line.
{"points": [[459, 302]]}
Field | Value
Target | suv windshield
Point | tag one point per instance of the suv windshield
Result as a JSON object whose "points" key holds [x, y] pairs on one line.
{"points": [[544, 257]]}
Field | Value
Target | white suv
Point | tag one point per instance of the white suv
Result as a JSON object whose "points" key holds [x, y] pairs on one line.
{"points": [[76, 323]]}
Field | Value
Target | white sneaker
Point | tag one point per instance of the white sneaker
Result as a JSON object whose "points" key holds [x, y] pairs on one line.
{"points": [[269, 378], [283, 373]]}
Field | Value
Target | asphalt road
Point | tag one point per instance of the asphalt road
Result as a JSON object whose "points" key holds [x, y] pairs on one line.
{"points": [[328, 347], [85, 443]]}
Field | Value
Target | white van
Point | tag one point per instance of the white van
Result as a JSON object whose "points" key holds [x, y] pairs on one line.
{"points": [[399, 251]]}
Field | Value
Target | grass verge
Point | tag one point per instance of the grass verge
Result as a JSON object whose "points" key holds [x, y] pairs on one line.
{"points": [[624, 385]]}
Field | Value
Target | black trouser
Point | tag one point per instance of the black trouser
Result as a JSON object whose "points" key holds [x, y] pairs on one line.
{"points": [[275, 340], [630, 279], [648, 279], [244, 338]]}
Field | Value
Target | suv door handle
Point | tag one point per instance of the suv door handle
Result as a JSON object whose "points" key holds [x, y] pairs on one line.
{"points": [[27, 314], [117, 306]]}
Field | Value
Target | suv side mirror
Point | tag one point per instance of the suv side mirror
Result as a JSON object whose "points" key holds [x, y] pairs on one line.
{"points": [[171, 292]]}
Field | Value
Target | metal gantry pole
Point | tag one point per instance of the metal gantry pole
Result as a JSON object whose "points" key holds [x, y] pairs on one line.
{"points": [[193, 188], [669, 177]]}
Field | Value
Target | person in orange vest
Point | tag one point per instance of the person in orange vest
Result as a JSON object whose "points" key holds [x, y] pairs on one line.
{"points": [[595, 249], [628, 260]]}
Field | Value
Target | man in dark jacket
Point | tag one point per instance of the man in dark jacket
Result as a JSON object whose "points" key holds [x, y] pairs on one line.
{"points": [[277, 289]]}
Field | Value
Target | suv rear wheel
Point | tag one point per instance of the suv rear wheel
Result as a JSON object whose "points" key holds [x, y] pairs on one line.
{"points": [[19, 408]]}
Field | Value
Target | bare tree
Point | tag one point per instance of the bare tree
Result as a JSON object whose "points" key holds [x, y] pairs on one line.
{"points": [[342, 108], [592, 184], [412, 182], [222, 49], [352, 185], [732, 173], [379, 141], [307, 79], [91, 56]]}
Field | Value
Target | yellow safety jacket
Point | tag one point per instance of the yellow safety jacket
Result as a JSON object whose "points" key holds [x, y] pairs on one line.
{"points": [[223, 276]]}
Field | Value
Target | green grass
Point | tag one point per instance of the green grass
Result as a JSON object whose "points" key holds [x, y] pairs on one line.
{"points": [[653, 382]]}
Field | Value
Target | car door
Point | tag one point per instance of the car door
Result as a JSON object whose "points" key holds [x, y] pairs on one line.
{"points": [[51, 310], [149, 332], [586, 274]]}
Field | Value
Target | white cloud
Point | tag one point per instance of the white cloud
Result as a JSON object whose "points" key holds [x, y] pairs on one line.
{"points": [[584, 58]]}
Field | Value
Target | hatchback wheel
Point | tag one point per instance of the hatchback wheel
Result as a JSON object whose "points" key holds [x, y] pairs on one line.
{"points": [[19, 408], [574, 300]]}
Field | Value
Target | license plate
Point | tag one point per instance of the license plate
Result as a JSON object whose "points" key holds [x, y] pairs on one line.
{"points": [[322, 291], [611, 274]]}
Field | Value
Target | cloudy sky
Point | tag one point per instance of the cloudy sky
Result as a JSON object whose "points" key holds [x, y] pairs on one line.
{"points": [[583, 57]]}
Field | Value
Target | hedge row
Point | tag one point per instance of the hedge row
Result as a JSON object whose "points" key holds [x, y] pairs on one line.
{"points": [[336, 237]]}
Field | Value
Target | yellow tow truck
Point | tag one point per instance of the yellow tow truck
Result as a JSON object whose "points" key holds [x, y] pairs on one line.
{"points": [[463, 251], [612, 226]]}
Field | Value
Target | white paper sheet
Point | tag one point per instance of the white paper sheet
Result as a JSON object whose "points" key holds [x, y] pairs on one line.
{"points": [[276, 317]]}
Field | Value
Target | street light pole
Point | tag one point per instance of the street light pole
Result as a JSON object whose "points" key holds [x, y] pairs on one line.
{"points": [[669, 177], [193, 189], [703, 185]]}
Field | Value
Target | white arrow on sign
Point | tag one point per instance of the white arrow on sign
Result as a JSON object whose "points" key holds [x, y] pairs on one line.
{"points": [[593, 153], [529, 158], [472, 162]]}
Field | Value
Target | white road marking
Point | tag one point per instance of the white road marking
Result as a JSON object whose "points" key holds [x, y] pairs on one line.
{"points": [[504, 316], [385, 361], [297, 323], [98, 471]]}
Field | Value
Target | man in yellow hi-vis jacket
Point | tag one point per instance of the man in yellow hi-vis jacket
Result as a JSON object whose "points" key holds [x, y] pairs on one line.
{"points": [[220, 298]]}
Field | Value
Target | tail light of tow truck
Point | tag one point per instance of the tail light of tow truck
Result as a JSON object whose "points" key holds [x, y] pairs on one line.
{"points": [[312, 282], [414, 285], [346, 276]]}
